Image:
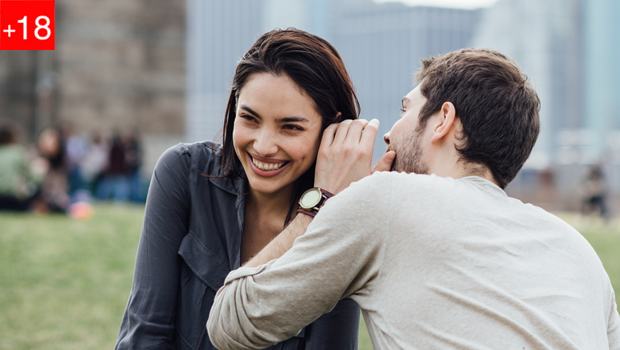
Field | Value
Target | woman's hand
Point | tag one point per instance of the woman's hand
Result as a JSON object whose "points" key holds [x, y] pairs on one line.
{"points": [[345, 154]]}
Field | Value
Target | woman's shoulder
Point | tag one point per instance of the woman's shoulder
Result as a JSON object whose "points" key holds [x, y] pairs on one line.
{"points": [[205, 156]]}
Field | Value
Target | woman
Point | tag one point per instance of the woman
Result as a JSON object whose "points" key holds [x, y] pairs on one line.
{"points": [[211, 208]]}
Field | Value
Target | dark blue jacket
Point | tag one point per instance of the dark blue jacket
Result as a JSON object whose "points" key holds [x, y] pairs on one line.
{"points": [[190, 241]]}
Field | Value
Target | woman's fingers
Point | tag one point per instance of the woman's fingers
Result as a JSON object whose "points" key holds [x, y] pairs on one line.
{"points": [[328, 135], [341, 132], [367, 141], [345, 155], [355, 131]]}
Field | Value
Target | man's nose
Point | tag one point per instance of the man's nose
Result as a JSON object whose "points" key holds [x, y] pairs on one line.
{"points": [[265, 144], [386, 138]]}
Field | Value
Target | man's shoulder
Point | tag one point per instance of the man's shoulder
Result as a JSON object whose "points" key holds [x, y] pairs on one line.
{"points": [[382, 178], [403, 182]]}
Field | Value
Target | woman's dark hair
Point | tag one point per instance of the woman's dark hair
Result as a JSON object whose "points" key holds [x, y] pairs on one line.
{"points": [[315, 66]]}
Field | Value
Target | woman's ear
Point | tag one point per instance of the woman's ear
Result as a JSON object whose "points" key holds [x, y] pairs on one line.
{"points": [[337, 118], [446, 122]]}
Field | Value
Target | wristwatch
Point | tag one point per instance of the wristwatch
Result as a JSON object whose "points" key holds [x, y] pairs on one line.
{"points": [[312, 200]]}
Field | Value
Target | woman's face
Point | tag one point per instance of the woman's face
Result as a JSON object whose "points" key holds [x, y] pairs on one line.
{"points": [[276, 132]]}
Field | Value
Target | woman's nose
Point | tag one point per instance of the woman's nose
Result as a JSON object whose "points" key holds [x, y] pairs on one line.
{"points": [[386, 138], [265, 144]]}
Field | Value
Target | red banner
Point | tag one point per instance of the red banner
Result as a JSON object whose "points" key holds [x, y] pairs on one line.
{"points": [[27, 25]]}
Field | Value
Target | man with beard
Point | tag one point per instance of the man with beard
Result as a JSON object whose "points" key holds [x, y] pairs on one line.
{"points": [[435, 252]]}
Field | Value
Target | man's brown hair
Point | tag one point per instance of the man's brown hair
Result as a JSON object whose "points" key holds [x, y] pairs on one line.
{"points": [[494, 101]]}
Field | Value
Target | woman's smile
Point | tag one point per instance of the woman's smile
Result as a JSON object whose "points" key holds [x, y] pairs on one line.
{"points": [[267, 167]]}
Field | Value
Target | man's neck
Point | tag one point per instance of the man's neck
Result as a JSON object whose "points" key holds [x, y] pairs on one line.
{"points": [[480, 171], [462, 169]]}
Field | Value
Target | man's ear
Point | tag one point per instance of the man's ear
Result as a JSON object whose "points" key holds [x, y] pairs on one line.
{"points": [[446, 122]]}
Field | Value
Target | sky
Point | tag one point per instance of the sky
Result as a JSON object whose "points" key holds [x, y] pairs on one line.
{"points": [[463, 4]]}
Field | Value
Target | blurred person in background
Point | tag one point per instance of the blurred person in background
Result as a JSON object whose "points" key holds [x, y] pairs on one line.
{"points": [[595, 193], [115, 183], [54, 194], [133, 161], [211, 207], [75, 147], [94, 162], [19, 182]]}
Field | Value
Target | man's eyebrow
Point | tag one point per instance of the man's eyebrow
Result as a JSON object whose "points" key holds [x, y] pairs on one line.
{"points": [[404, 100]]}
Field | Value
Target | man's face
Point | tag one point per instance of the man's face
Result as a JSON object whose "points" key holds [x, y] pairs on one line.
{"points": [[405, 139]]}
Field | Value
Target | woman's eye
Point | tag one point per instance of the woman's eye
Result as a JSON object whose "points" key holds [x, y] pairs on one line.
{"points": [[292, 127], [248, 118]]}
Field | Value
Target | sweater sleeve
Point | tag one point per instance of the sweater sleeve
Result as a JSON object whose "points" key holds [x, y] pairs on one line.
{"points": [[338, 256], [149, 319], [613, 327]]}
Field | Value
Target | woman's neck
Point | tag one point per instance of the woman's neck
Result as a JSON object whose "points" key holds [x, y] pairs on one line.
{"points": [[264, 219], [271, 206]]}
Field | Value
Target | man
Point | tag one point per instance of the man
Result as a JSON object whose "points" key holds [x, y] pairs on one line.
{"points": [[439, 261]]}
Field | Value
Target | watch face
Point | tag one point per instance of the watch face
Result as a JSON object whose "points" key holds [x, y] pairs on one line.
{"points": [[310, 198]]}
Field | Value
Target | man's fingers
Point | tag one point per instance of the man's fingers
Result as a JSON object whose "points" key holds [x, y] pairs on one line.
{"points": [[385, 163]]}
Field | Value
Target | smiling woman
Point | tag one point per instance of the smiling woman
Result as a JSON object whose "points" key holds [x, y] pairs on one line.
{"points": [[276, 133], [212, 207]]}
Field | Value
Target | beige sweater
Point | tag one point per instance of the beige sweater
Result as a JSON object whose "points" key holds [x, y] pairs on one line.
{"points": [[435, 263]]}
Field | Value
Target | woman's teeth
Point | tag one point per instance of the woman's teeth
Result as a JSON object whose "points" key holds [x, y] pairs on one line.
{"points": [[267, 166]]}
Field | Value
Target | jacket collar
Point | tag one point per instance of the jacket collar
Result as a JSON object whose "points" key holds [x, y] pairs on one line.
{"points": [[236, 186]]}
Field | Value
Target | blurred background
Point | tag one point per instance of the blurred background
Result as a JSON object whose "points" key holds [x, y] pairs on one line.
{"points": [[157, 72], [129, 79]]}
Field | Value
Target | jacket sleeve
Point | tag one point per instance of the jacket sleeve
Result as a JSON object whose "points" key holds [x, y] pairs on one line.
{"points": [[149, 319], [338, 256]]}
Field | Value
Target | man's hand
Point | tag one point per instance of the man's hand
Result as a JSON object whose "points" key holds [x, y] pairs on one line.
{"points": [[345, 154]]}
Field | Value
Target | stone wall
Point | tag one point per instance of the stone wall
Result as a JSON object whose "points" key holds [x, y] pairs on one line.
{"points": [[121, 65], [118, 65], [17, 90]]}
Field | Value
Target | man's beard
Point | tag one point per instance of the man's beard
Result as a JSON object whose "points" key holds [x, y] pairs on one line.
{"points": [[409, 155]]}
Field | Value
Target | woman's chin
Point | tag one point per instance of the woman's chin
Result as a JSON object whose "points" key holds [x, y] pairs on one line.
{"points": [[268, 185], [266, 188]]}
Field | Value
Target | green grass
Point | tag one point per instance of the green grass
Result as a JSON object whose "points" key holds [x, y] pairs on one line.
{"points": [[64, 283]]}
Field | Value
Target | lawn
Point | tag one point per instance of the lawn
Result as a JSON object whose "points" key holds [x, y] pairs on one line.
{"points": [[64, 283]]}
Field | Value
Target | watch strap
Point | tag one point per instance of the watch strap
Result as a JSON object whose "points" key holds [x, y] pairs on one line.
{"points": [[307, 212], [313, 211]]}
